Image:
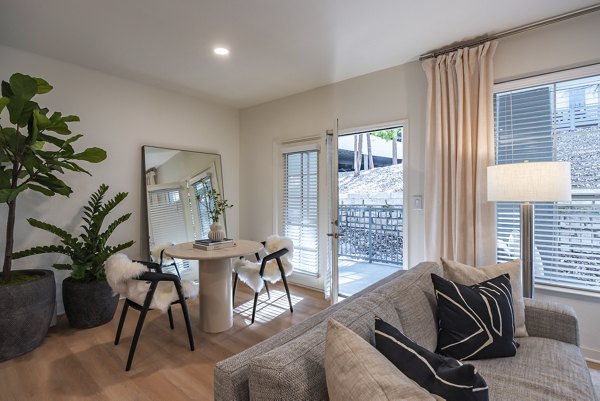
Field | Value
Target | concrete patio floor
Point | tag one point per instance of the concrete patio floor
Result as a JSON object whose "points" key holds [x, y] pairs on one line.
{"points": [[356, 275]]}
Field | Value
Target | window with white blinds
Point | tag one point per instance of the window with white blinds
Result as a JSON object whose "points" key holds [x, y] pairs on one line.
{"points": [[300, 208], [554, 121]]}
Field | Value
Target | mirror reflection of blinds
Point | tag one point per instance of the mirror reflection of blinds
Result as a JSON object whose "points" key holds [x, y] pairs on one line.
{"points": [[202, 203], [165, 208], [167, 217], [300, 208], [559, 121]]}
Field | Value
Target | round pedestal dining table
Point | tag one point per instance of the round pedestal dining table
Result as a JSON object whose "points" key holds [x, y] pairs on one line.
{"points": [[216, 305]]}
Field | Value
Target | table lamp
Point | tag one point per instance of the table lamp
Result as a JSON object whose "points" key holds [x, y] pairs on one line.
{"points": [[529, 182]]}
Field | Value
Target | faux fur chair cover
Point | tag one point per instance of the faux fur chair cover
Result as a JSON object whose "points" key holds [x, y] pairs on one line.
{"points": [[249, 271], [155, 252], [121, 273]]}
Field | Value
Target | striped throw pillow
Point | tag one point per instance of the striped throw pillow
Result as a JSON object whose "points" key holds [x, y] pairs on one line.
{"points": [[438, 374]]}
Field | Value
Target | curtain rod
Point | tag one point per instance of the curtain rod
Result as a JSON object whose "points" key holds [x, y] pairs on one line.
{"points": [[533, 25]]}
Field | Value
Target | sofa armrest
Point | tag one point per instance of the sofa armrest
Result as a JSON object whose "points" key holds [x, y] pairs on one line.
{"points": [[551, 320]]}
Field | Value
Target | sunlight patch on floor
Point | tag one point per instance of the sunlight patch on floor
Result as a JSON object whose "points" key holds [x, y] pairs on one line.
{"points": [[267, 309]]}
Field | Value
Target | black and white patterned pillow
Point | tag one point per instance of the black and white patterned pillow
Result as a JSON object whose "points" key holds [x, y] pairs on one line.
{"points": [[477, 321], [438, 374]]}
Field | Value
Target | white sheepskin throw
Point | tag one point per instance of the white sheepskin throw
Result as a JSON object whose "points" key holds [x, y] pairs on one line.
{"points": [[155, 253], [249, 272], [121, 273]]}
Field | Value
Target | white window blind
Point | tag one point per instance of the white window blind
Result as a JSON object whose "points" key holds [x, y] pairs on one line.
{"points": [[300, 208], [167, 220], [201, 189], [555, 121], [167, 217]]}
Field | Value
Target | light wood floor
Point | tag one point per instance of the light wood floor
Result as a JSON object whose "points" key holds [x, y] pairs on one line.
{"points": [[592, 365], [85, 364]]}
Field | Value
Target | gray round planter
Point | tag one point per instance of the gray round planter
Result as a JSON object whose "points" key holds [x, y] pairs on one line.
{"points": [[88, 304], [26, 311]]}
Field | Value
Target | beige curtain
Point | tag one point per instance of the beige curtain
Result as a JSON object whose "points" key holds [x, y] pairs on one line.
{"points": [[459, 222]]}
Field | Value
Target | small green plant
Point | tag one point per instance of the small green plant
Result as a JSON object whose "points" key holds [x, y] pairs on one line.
{"points": [[215, 204], [90, 250]]}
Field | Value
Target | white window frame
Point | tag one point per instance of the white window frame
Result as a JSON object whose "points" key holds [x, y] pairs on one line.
{"points": [[578, 195]]}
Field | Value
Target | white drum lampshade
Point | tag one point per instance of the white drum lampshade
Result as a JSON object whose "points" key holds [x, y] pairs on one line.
{"points": [[529, 182]]}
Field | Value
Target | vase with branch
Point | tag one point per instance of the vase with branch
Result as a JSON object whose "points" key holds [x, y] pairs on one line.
{"points": [[215, 205]]}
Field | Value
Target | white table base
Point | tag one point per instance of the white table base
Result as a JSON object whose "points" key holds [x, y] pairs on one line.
{"points": [[216, 305]]}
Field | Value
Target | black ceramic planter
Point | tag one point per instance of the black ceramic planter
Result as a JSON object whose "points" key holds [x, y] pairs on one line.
{"points": [[26, 311], [88, 304]]}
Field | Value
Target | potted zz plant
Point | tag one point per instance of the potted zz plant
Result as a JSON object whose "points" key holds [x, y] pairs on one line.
{"points": [[215, 206], [87, 297], [36, 147]]}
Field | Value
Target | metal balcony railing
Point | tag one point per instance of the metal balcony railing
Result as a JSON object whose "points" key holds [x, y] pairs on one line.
{"points": [[371, 233]]}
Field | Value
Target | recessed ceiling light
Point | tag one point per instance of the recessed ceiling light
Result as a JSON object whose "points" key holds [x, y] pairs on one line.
{"points": [[221, 51]]}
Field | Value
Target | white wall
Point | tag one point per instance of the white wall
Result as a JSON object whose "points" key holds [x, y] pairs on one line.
{"points": [[119, 116], [393, 94]]}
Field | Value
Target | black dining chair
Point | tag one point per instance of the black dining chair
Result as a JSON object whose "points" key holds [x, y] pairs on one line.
{"points": [[153, 277], [253, 274]]}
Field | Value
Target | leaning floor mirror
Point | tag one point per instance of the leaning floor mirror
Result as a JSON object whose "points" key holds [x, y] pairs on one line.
{"points": [[176, 185]]}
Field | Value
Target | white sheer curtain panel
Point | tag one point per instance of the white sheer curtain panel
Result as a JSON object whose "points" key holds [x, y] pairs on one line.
{"points": [[459, 221]]}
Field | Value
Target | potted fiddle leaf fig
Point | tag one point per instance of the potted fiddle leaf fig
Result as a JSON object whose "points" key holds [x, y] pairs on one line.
{"points": [[88, 299], [36, 147]]}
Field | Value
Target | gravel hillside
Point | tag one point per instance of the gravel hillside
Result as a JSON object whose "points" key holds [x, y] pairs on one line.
{"points": [[378, 180]]}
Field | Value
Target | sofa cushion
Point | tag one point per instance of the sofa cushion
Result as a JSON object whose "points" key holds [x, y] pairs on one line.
{"points": [[542, 370], [475, 321], [295, 371], [469, 275], [415, 303], [356, 371], [440, 375]]}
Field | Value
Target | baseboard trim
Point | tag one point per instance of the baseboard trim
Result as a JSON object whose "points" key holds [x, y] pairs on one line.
{"points": [[591, 355]]}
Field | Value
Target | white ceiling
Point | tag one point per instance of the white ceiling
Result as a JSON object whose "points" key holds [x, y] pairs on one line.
{"points": [[278, 47]]}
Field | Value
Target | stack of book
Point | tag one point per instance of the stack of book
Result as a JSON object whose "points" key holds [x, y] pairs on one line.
{"points": [[210, 245]]}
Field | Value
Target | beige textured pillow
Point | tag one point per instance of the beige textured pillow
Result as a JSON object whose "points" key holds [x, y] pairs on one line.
{"points": [[469, 275], [355, 370]]}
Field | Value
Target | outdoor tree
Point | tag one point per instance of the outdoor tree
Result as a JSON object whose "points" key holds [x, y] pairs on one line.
{"points": [[357, 154], [391, 135], [370, 164]]}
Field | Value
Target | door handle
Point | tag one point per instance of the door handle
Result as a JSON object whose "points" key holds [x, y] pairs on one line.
{"points": [[335, 235]]}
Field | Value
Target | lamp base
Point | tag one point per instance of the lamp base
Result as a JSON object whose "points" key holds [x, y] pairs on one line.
{"points": [[527, 213]]}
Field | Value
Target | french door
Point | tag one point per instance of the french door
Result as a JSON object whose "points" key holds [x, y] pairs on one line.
{"points": [[364, 230], [366, 207]]}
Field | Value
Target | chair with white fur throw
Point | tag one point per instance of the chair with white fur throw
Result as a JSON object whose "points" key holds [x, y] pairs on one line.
{"points": [[158, 256], [145, 289], [273, 267]]}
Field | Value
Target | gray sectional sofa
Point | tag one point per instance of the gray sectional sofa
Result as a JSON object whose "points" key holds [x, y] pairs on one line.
{"points": [[289, 366]]}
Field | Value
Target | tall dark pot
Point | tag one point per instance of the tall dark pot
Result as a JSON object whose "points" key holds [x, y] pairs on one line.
{"points": [[88, 304], [26, 311]]}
